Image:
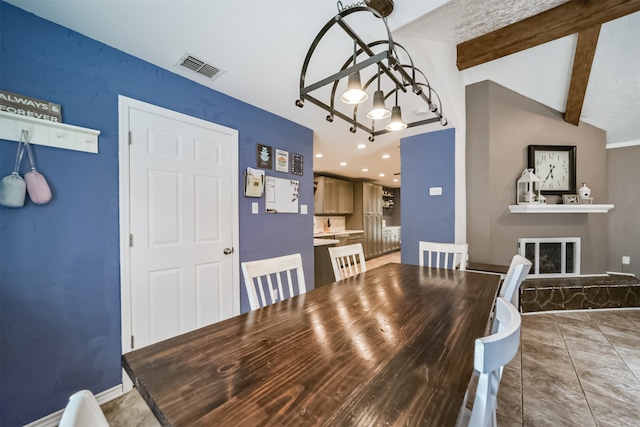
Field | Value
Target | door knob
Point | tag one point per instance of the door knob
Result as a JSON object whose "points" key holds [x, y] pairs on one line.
{"points": [[227, 251]]}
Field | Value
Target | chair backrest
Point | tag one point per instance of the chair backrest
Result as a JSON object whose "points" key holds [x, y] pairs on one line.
{"points": [[492, 353], [443, 255], [516, 274], [255, 271], [83, 410], [347, 260]]}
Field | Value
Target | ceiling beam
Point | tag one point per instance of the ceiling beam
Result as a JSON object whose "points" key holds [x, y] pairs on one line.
{"points": [[568, 18], [582, 61]]}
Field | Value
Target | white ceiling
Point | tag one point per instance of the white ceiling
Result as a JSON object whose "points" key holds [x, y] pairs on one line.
{"points": [[262, 44]]}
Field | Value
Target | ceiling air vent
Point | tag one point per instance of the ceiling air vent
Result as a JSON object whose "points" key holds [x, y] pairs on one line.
{"points": [[201, 67]]}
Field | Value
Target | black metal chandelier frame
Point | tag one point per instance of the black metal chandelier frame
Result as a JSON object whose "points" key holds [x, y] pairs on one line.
{"points": [[404, 76]]}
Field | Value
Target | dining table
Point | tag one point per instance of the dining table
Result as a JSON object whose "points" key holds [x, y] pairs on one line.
{"points": [[391, 346]]}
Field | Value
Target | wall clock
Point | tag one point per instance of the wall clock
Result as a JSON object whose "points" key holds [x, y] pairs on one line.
{"points": [[555, 165]]}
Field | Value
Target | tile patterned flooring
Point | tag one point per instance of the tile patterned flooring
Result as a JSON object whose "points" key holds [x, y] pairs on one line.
{"points": [[578, 368]]}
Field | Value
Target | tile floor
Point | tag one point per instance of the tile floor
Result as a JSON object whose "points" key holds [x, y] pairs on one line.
{"points": [[579, 368]]}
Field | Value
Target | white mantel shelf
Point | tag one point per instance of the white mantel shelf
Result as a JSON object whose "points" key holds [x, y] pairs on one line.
{"points": [[540, 208], [52, 134]]}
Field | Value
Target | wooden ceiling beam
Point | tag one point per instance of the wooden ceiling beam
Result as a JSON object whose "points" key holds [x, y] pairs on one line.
{"points": [[582, 61], [568, 18]]}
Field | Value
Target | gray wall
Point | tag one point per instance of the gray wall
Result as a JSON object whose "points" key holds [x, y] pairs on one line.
{"points": [[500, 125], [623, 187]]}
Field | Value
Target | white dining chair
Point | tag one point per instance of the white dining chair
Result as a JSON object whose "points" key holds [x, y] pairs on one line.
{"points": [[83, 410], [518, 270], [491, 354], [347, 260], [280, 267], [443, 255]]}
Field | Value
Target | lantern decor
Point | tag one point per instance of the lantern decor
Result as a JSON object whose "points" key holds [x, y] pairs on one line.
{"points": [[527, 191]]}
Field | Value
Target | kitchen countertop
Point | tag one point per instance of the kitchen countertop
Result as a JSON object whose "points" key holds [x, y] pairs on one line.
{"points": [[321, 242], [336, 232]]}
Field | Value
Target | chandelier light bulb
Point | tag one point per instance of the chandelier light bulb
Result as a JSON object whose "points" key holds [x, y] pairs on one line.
{"points": [[354, 93], [396, 122], [379, 110]]}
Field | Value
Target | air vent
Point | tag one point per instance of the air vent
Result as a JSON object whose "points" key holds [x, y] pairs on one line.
{"points": [[201, 67]]}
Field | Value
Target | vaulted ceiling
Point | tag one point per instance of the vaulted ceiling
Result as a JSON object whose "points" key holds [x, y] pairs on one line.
{"points": [[262, 44]]}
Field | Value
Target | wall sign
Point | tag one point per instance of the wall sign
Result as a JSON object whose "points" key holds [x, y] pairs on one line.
{"points": [[282, 160], [264, 156], [30, 107], [296, 164]]}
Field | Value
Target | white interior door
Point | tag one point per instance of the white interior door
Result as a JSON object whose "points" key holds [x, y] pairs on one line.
{"points": [[182, 223]]}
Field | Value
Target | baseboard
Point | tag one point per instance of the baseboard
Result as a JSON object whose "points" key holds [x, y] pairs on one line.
{"points": [[580, 310], [52, 420]]}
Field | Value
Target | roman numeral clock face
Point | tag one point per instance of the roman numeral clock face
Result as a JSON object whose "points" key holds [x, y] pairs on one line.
{"points": [[552, 167]]}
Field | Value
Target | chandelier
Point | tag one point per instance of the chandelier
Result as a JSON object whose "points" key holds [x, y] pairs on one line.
{"points": [[384, 63]]}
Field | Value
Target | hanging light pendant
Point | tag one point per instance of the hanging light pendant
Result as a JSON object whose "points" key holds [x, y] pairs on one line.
{"points": [[379, 110], [396, 122], [354, 93]]}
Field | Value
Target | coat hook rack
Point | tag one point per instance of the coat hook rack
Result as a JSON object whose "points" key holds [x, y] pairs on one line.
{"points": [[51, 134]]}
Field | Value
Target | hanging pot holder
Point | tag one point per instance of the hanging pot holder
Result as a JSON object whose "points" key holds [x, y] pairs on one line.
{"points": [[13, 187], [37, 186]]}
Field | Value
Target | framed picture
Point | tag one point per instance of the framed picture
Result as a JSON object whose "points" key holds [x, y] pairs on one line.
{"points": [[282, 160], [555, 165], [264, 156], [570, 199]]}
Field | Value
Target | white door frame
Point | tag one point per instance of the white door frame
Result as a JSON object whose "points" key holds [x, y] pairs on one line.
{"points": [[124, 105]]}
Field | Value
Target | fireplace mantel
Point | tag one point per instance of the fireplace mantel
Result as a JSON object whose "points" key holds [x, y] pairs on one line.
{"points": [[541, 208]]}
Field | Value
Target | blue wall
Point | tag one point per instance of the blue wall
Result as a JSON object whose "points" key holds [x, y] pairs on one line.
{"points": [[59, 263], [428, 160]]}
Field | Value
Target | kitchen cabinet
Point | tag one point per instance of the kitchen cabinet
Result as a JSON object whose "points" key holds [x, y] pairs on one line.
{"points": [[355, 238], [391, 239], [345, 196], [323, 271], [367, 216], [332, 196]]}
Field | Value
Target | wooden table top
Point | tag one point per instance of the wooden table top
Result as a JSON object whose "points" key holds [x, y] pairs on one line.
{"points": [[391, 346]]}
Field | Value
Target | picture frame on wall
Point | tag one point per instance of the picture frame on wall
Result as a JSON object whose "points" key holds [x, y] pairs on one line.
{"points": [[264, 156], [282, 160]]}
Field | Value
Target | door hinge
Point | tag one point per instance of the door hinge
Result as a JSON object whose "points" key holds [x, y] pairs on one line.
{"points": [[132, 342], [130, 138], [130, 240]]}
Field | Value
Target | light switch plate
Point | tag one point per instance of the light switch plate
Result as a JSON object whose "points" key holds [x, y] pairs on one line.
{"points": [[254, 208], [435, 191], [303, 209]]}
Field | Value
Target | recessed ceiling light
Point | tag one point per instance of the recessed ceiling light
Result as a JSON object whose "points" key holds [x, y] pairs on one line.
{"points": [[380, 174], [362, 146], [365, 170], [319, 155], [385, 156], [343, 163]]}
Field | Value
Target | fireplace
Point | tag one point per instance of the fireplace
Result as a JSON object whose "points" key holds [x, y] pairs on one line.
{"points": [[552, 256]]}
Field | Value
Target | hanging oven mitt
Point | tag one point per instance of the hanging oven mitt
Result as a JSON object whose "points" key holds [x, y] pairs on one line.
{"points": [[13, 187], [37, 186]]}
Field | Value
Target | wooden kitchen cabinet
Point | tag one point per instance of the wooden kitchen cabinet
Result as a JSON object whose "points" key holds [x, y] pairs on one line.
{"points": [[345, 196], [367, 216], [332, 196], [391, 239]]}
